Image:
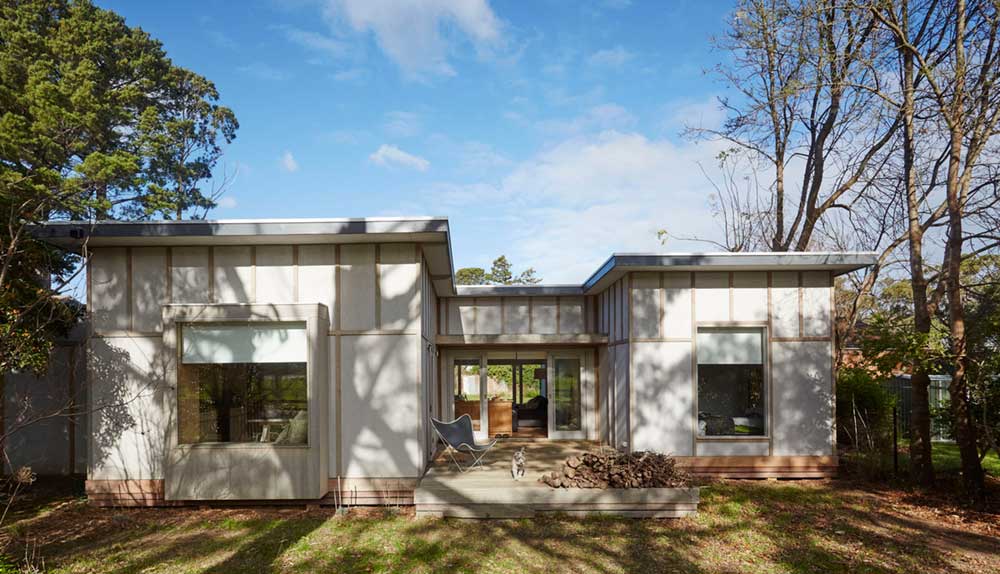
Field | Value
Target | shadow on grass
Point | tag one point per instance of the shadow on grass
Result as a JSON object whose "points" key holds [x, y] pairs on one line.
{"points": [[741, 527]]}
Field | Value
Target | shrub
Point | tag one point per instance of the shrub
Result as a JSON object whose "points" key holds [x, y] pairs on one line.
{"points": [[864, 419]]}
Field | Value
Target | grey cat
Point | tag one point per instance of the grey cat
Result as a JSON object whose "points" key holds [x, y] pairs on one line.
{"points": [[517, 464]]}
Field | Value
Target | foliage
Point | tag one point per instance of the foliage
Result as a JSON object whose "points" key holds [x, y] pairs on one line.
{"points": [[890, 343], [501, 273], [96, 122], [471, 276], [864, 418]]}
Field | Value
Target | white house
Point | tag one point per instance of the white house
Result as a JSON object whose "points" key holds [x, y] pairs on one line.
{"points": [[302, 359]]}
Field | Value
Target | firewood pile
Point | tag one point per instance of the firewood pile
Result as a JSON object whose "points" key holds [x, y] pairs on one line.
{"points": [[609, 468]]}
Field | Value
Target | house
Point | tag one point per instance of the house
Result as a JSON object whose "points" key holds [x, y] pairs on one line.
{"points": [[302, 359]]}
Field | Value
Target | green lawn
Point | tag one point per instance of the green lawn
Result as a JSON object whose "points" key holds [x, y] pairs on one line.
{"points": [[947, 459], [743, 526]]}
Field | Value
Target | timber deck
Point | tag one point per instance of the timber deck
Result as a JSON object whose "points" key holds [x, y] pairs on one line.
{"points": [[490, 492]]}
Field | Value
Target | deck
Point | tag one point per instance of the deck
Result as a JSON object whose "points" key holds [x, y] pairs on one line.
{"points": [[490, 492]]}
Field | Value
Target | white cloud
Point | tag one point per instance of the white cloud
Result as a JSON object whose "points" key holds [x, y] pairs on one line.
{"points": [[416, 34], [610, 58], [288, 162], [350, 75], [589, 196], [390, 156], [701, 114], [227, 202], [602, 117], [314, 41], [263, 71], [401, 124]]}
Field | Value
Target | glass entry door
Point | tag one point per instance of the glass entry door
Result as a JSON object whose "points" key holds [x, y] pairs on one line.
{"points": [[566, 398], [467, 383]]}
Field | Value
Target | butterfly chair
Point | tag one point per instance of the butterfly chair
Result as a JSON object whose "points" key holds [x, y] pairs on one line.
{"points": [[457, 436]]}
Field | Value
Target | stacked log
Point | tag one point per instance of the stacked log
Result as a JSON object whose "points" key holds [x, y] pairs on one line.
{"points": [[609, 468]]}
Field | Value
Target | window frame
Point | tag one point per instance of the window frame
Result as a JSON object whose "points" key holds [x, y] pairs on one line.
{"points": [[765, 334], [177, 316]]}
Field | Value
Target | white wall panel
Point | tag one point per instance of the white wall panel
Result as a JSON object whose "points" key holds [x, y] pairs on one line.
{"points": [[712, 298], [646, 305], [109, 289], [785, 303], [275, 274], [461, 316], [380, 398], [149, 288], [131, 406], [516, 316], [662, 397], [398, 283], [488, 316], [357, 283], [750, 296], [677, 317], [189, 275], [571, 315], [317, 277], [802, 396], [543, 315], [816, 304], [233, 273]]}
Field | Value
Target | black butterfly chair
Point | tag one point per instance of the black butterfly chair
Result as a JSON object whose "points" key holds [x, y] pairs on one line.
{"points": [[457, 436]]}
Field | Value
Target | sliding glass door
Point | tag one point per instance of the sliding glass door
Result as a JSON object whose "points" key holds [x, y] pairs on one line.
{"points": [[468, 389], [566, 398]]}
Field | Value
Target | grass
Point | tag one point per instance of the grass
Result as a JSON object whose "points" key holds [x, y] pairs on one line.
{"points": [[947, 459], [742, 526]]}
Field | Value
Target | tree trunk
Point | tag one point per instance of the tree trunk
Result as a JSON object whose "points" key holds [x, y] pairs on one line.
{"points": [[921, 463], [965, 430]]}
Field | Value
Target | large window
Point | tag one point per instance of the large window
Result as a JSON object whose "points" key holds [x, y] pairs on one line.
{"points": [[731, 382], [242, 383]]}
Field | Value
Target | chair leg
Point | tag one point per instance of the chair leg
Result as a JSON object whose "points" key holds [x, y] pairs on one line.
{"points": [[479, 460], [451, 453]]}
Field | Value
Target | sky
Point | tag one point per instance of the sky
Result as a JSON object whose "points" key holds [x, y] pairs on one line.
{"points": [[548, 131]]}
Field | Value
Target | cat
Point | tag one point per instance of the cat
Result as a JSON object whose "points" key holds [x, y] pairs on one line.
{"points": [[517, 464]]}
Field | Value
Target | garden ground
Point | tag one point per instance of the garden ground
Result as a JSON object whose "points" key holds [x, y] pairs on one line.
{"points": [[742, 526]]}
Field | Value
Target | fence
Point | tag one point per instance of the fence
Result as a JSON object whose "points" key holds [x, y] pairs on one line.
{"points": [[937, 397]]}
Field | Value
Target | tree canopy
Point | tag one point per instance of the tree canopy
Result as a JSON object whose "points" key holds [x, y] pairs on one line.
{"points": [[501, 273], [96, 122]]}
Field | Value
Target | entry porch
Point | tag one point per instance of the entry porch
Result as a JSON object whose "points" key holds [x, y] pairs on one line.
{"points": [[490, 492]]}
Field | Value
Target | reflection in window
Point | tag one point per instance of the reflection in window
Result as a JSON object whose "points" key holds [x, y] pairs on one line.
{"points": [[731, 382], [241, 384], [566, 395]]}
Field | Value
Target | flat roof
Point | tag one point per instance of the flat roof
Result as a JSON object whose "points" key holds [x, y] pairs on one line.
{"points": [[434, 234]]}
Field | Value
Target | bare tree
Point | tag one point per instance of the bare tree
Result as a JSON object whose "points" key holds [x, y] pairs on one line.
{"points": [[805, 109]]}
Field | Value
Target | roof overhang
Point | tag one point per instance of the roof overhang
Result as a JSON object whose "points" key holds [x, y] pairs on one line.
{"points": [[431, 232], [435, 239], [621, 263]]}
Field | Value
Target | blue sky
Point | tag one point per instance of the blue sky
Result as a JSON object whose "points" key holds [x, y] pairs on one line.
{"points": [[548, 131]]}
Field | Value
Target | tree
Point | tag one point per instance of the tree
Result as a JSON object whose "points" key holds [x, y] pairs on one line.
{"points": [[801, 72], [471, 276], [962, 69], [96, 122], [501, 273]]}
